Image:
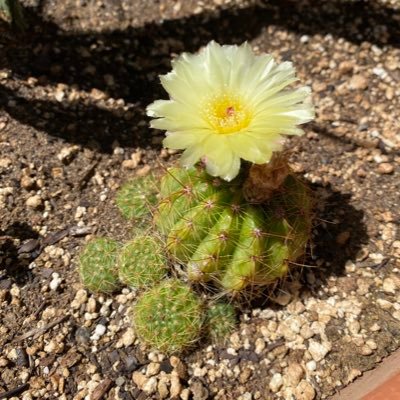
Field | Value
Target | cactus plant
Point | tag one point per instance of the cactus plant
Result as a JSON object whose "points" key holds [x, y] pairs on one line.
{"points": [[168, 317], [220, 321], [97, 265], [135, 198], [141, 262], [219, 236]]}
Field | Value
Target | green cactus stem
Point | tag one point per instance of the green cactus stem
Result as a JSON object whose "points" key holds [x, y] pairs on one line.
{"points": [[220, 236], [220, 321], [141, 262], [168, 317], [136, 197], [97, 265]]}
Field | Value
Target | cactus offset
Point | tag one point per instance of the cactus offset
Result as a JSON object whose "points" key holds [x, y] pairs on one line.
{"points": [[220, 237], [136, 197], [97, 265], [168, 317], [220, 321], [141, 262]]}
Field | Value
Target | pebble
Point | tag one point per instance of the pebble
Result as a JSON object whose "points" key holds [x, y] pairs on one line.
{"points": [[27, 182], [385, 168], [5, 162], [389, 285], [276, 382], [176, 386], [304, 391], [79, 299], [67, 154], [162, 388], [153, 369], [55, 282], [294, 374], [318, 350], [199, 391], [358, 82], [99, 331], [139, 379], [34, 202], [150, 386], [311, 365]]}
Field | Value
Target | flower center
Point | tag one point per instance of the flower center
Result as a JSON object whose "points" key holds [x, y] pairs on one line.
{"points": [[226, 113]]}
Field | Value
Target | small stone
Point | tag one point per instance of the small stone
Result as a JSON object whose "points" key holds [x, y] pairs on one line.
{"points": [[34, 202], [128, 338], [384, 304], [354, 327], [276, 383], [385, 168], [27, 182], [162, 389], [55, 282], [185, 394], [139, 379], [79, 299], [358, 82], [5, 162], [150, 386], [259, 345], [366, 350], [178, 366], [389, 285], [199, 391], [143, 171], [129, 164], [318, 350], [176, 386], [294, 374], [67, 154], [311, 365], [304, 391], [353, 374], [153, 369]]}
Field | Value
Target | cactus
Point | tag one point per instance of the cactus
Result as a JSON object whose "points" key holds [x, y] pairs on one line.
{"points": [[136, 197], [141, 262], [221, 237], [220, 321], [97, 265], [168, 317]]}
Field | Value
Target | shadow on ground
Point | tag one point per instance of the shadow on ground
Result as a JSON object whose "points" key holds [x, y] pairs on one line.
{"points": [[125, 64]]}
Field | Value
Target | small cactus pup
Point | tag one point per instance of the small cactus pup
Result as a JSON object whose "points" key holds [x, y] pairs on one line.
{"points": [[239, 224], [141, 262], [168, 317], [136, 198], [220, 321], [97, 265]]}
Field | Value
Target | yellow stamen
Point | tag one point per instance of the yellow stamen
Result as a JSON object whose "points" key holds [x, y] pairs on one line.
{"points": [[226, 113]]}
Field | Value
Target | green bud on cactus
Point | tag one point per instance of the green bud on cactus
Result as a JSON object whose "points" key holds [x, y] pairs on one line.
{"points": [[136, 197], [97, 265], [211, 228], [168, 317], [141, 262], [220, 321]]}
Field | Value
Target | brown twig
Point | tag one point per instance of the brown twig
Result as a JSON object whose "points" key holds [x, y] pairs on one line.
{"points": [[38, 331], [14, 392]]}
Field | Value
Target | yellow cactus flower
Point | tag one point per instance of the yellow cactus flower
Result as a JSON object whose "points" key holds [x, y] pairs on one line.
{"points": [[228, 104]]}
